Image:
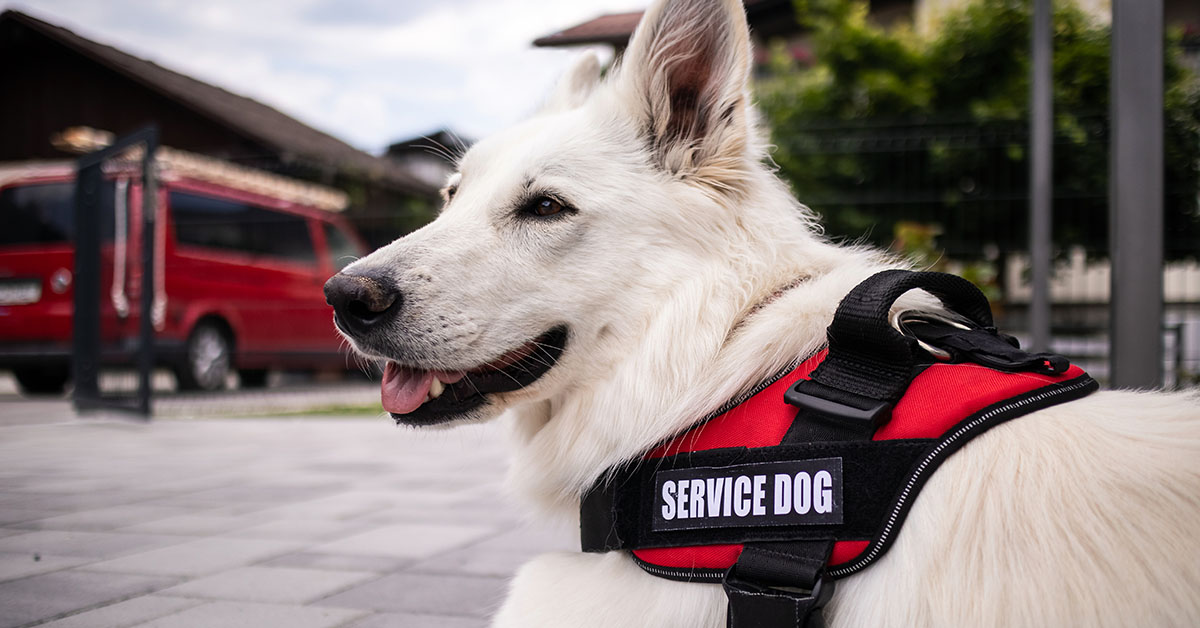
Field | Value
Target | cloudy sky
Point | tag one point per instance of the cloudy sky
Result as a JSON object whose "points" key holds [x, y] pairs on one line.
{"points": [[367, 71]]}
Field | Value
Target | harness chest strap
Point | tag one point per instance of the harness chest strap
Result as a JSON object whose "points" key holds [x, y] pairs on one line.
{"points": [[763, 496]]}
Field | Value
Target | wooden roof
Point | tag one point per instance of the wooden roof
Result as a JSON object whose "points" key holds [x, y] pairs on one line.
{"points": [[613, 29]]}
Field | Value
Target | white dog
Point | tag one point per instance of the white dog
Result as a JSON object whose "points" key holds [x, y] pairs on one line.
{"points": [[624, 262]]}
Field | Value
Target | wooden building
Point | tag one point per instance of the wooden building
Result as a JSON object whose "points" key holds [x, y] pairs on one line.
{"points": [[54, 79]]}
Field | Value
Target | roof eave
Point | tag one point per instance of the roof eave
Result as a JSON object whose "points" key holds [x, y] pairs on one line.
{"points": [[553, 41]]}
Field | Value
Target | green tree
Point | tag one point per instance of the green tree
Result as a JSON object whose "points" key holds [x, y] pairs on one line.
{"points": [[888, 126]]}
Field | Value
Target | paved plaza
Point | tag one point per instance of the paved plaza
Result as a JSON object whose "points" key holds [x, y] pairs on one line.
{"points": [[304, 522]]}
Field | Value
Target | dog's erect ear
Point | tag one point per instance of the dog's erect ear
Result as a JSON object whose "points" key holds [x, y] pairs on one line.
{"points": [[687, 69], [576, 85]]}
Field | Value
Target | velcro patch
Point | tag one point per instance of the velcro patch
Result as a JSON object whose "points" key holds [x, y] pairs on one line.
{"points": [[798, 492]]}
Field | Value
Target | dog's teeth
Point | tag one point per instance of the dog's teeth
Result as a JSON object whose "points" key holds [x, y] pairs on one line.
{"points": [[436, 388]]}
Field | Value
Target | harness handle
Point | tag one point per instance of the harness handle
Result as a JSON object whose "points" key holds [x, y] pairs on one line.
{"points": [[870, 363], [870, 358]]}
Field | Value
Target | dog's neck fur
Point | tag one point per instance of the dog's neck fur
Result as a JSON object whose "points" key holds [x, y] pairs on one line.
{"points": [[682, 95], [566, 443]]}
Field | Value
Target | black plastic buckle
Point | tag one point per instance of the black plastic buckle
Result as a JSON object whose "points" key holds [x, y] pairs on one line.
{"points": [[829, 402], [752, 605]]}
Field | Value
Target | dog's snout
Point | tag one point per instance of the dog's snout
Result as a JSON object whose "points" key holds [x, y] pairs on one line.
{"points": [[361, 301]]}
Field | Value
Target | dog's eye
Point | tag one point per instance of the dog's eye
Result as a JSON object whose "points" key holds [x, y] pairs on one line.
{"points": [[545, 206], [448, 192]]}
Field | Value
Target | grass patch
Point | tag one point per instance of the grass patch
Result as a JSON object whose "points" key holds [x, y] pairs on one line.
{"points": [[369, 409], [362, 410]]}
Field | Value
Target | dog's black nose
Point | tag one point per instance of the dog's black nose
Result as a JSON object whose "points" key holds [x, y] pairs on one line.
{"points": [[361, 301]]}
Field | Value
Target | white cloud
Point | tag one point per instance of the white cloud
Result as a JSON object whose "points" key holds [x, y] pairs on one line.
{"points": [[368, 71]]}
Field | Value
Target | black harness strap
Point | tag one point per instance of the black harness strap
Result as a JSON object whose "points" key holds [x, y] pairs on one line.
{"points": [[850, 395], [762, 586], [781, 578]]}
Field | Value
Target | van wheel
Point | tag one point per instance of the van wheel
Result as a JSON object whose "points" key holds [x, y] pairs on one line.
{"points": [[207, 360], [42, 380], [253, 378]]}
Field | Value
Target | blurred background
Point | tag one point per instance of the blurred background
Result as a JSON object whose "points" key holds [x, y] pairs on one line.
{"points": [[297, 136]]}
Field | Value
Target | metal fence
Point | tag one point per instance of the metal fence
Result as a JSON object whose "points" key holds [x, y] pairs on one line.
{"points": [[968, 184]]}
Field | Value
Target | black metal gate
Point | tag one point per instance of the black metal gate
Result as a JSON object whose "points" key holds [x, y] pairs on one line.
{"points": [[86, 327]]}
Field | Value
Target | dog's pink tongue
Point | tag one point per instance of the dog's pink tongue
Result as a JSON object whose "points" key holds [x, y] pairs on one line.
{"points": [[403, 389]]}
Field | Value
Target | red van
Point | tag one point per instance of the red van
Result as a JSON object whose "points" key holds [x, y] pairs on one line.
{"points": [[241, 257]]}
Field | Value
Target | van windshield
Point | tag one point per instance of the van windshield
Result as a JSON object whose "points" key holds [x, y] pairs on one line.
{"points": [[44, 213]]}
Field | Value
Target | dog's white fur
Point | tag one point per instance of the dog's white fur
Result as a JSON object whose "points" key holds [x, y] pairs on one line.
{"points": [[1086, 514]]}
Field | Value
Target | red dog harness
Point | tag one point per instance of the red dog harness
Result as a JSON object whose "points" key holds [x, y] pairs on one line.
{"points": [[808, 477]]}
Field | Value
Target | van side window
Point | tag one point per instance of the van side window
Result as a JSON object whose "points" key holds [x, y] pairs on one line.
{"points": [[342, 250], [228, 225], [44, 213], [280, 235]]}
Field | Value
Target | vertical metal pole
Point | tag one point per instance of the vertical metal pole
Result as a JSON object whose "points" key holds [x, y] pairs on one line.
{"points": [[1041, 173], [1136, 194], [145, 357], [85, 319]]}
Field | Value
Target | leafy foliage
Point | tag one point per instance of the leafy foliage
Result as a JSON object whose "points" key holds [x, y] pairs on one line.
{"points": [[888, 127]]}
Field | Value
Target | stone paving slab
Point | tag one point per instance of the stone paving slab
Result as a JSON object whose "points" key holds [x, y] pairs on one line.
{"points": [[87, 544], [51, 595], [429, 594], [408, 620], [348, 505], [21, 411], [406, 540], [206, 507], [264, 493], [533, 537], [339, 562], [103, 488], [309, 522], [252, 615], [55, 503], [104, 519], [194, 525], [128, 613], [13, 566], [196, 558], [298, 530], [10, 516], [475, 561], [279, 585]]}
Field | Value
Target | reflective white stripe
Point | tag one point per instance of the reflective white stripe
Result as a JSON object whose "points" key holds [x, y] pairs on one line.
{"points": [[158, 309], [878, 544], [120, 248]]}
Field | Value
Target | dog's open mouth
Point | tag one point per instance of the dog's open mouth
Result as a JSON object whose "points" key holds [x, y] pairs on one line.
{"points": [[420, 397]]}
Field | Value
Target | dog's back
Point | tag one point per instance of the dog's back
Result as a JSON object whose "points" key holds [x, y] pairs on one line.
{"points": [[1086, 514]]}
